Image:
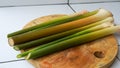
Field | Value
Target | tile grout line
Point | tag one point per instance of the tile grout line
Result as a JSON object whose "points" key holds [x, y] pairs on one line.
{"points": [[68, 3], [118, 58], [117, 55], [11, 61], [114, 60]]}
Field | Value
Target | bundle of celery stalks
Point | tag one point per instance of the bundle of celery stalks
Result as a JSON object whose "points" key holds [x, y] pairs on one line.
{"points": [[62, 33]]}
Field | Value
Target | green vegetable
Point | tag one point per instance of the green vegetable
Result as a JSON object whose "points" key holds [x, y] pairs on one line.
{"points": [[66, 38], [72, 42], [58, 36]]}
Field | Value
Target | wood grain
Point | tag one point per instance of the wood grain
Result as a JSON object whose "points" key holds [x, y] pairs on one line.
{"points": [[96, 54]]}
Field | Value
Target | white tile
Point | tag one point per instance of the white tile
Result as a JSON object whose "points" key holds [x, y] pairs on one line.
{"points": [[117, 35], [29, 2], [18, 64], [119, 52], [12, 19], [116, 64], [90, 1]]}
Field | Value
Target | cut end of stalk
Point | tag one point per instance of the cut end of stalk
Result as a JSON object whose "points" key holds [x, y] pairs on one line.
{"points": [[104, 13], [8, 36], [10, 41], [19, 56], [16, 48], [28, 56]]}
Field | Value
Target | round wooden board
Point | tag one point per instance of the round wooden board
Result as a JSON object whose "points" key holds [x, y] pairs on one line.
{"points": [[96, 54]]}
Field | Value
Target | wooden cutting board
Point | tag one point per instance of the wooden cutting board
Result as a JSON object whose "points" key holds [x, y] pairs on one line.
{"points": [[96, 54]]}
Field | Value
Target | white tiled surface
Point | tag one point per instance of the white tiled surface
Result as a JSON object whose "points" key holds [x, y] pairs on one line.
{"points": [[116, 64], [17, 64], [13, 18], [119, 53], [29, 2]]}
